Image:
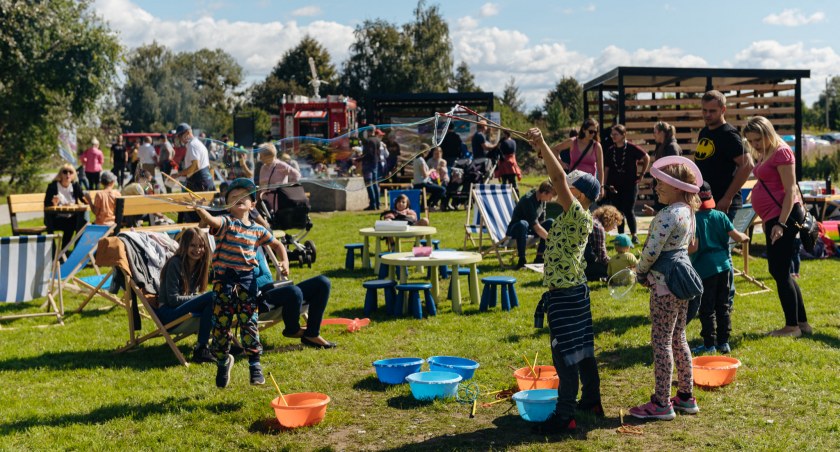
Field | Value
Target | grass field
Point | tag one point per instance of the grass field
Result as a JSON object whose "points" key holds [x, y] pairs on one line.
{"points": [[64, 388]]}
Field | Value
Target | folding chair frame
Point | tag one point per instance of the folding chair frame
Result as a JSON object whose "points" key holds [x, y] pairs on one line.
{"points": [[55, 279], [497, 244], [76, 284]]}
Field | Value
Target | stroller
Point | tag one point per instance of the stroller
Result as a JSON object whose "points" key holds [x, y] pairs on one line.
{"points": [[463, 174], [291, 212]]}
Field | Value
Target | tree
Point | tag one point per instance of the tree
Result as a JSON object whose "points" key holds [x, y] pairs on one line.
{"points": [[58, 61], [431, 49], [833, 93], [510, 96], [378, 62], [464, 80], [291, 75], [568, 94]]}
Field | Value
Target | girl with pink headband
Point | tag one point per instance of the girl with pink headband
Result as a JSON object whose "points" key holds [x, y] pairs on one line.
{"points": [[664, 267]]}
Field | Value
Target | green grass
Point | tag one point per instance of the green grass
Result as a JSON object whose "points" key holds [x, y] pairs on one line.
{"points": [[64, 388]]}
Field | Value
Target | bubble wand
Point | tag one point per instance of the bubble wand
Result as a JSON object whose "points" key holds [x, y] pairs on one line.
{"points": [[191, 193], [278, 389], [459, 118]]}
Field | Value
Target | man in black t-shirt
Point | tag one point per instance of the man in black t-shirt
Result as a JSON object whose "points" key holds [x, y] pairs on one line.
{"points": [[529, 217], [480, 145], [118, 157], [720, 155]]}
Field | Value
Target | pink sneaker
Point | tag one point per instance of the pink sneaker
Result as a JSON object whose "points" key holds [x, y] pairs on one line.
{"points": [[653, 410], [685, 406]]}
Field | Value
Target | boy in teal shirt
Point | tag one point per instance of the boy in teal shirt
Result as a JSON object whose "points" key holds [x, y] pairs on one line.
{"points": [[713, 263]]}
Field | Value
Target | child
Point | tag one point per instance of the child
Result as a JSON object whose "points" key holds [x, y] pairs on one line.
{"points": [[713, 263], [234, 261], [567, 299], [664, 267], [105, 202], [623, 257], [606, 218], [443, 172], [402, 212]]}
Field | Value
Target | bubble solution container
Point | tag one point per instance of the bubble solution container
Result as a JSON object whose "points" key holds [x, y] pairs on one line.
{"points": [[546, 378], [393, 371], [713, 371], [461, 366], [536, 405], [303, 409], [433, 385]]}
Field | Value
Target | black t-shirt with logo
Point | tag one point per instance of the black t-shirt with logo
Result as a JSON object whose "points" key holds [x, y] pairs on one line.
{"points": [[715, 156]]}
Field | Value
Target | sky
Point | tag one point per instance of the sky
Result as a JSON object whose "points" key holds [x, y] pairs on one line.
{"points": [[535, 41]]}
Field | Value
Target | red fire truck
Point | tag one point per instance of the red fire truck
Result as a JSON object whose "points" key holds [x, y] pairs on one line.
{"points": [[302, 116]]}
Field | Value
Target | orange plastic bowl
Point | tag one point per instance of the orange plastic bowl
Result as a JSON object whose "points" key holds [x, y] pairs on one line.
{"points": [[546, 378], [304, 409], [714, 371]]}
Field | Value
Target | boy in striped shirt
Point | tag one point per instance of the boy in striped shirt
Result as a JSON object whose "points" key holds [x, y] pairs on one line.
{"points": [[234, 261]]}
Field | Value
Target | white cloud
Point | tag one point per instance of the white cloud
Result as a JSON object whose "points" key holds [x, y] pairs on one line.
{"points": [[590, 8], [793, 18], [489, 9], [307, 11], [467, 23]]}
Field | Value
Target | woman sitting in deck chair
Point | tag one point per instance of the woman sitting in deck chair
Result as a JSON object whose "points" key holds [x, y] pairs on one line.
{"points": [[183, 282]]}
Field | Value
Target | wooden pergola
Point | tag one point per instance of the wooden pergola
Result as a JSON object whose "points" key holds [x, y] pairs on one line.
{"points": [[638, 97]]}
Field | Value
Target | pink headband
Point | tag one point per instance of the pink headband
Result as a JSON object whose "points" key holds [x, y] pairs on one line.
{"points": [[674, 182]]}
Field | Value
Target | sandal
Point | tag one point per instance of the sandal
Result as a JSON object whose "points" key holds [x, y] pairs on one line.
{"points": [[308, 342], [297, 334]]}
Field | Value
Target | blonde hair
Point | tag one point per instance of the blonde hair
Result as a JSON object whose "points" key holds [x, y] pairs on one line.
{"points": [[763, 127], [268, 147], [682, 172], [63, 168], [94, 142], [608, 216]]}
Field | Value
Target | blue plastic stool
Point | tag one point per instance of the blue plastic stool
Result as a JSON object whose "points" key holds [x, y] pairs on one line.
{"points": [[435, 243], [488, 295], [371, 298], [383, 268], [462, 271], [414, 305], [350, 257]]}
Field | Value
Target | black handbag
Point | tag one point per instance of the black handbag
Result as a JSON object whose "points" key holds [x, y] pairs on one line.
{"points": [[801, 220]]}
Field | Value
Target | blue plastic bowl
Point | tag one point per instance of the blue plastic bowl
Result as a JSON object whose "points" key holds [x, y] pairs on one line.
{"points": [[433, 385], [461, 366], [536, 405], [394, 370]]}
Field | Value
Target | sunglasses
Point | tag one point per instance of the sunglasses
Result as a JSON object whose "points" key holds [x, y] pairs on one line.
{"points": [[592, 132], [67, 171]]}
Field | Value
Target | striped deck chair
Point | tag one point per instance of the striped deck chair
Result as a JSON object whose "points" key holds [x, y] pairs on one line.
{"points": [[28, 269], [488, 213], [85, 242], [743, 222]]}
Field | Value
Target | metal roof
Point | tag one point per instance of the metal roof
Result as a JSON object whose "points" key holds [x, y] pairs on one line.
{"points": [[634, 76]]}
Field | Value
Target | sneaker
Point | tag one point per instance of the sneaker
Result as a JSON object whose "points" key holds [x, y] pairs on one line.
{"points": [[555, 425], [685, 406], [702, 349], [653, 410], [257, 377], [597, 409], [223, 372], [724, 348], [539, 259], [202, 354]]}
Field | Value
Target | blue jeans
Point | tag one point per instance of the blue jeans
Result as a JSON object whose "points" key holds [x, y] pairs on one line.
{"points": [[518, 230], [436, 192], [371, 181], [314, 291], [199, 304]]}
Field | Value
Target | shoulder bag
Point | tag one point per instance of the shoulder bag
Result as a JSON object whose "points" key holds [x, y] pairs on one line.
{"points": [[801, 220]]}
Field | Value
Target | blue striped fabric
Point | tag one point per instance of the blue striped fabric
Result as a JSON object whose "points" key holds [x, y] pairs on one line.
{"points": [[25, 265], [495, 202], [570, 321]]}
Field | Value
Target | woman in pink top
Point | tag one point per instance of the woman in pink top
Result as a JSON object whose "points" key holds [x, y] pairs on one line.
{"points": [[274, 172], [585, 152], [92, 160], [776, 200]]}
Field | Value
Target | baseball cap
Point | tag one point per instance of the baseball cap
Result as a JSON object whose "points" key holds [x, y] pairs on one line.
{"points": [[707, 201], [623, 240], [585, 183], [243, 182], [182, 127]]}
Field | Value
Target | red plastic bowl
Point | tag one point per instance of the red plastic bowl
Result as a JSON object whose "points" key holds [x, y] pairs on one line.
{"points": [[713, 371], [303, 409], [546, 378]]}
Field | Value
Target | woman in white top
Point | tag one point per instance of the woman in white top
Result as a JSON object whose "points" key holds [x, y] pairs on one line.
{"points": [[422, 179], [274, 172]]}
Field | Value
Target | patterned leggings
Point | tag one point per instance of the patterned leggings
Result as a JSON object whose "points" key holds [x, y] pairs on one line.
{"points": [[234, 304], [669, 345]]}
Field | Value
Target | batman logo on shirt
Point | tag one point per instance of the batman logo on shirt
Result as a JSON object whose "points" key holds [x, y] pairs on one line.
{"points": [[705, 149]]}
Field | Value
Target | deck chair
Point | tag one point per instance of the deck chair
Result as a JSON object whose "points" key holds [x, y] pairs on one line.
{"points": [[744, 219], [489, 211], [416, 199], [85, 242], [28, 270]]}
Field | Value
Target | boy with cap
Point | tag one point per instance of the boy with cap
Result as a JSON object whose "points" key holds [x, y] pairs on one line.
{"points": [[623, 257], [566, 302], [712, 261], [234, 284]]}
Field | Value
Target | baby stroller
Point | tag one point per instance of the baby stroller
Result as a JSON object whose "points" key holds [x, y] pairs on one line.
{"points": [[291, 212], [464, 173]]}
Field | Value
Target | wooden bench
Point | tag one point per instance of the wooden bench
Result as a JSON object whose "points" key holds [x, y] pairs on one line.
{"points": [[161, 203], [29, 203]]}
